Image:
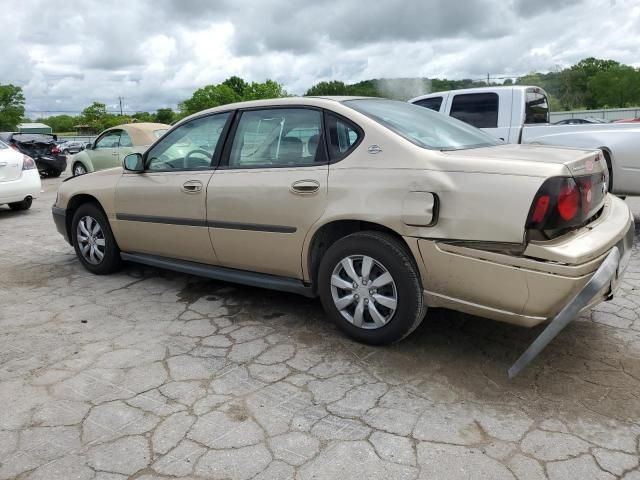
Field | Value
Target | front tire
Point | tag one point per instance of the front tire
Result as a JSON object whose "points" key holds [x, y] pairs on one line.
{"points": [[370, 286], [93, 240], [23, 205]]}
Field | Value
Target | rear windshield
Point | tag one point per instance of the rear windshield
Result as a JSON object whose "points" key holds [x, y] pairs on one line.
{"points": [[421, 126]]}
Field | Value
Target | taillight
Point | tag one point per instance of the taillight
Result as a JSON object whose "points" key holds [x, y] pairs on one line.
{"points": [[55, 149], [568, 201], [563, 202], [28, 163], [541, 208]]}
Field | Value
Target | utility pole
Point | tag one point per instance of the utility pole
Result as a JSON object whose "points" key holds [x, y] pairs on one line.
{"points": [[487, 79], [120, 100]]}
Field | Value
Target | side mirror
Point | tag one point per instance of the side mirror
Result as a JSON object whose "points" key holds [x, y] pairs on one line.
{"points": [[133, 163], [88, 146]]}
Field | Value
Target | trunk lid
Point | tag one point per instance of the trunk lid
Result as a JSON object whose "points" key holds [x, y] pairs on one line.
{"points": [[10, 164]]}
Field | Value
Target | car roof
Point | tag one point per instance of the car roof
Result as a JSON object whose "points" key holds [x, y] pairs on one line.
{"points": [[142, 133], [474, 90], [315, 101]]}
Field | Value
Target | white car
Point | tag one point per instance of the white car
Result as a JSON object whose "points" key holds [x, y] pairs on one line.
{"points": [[19, 178]]}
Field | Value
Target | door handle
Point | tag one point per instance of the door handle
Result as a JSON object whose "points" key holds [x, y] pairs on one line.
{"points": [[305, 187], [115, 154], [192, 186]]}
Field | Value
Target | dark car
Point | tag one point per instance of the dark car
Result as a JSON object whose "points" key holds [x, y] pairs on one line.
{"points": [[71, 146], [579, 121], [42, 148]]}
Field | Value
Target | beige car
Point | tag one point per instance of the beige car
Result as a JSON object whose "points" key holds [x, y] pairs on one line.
{"points": [[380, 208], [112, 145]]}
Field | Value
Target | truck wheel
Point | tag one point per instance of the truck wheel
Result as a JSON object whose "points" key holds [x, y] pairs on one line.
{"points": [[93, 240], [370, 286], [23, 205], [78, 169]]}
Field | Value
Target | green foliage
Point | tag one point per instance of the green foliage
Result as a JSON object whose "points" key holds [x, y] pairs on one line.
{"points": [[165, 115], [60, 123], [11, 107], [233, 89]]}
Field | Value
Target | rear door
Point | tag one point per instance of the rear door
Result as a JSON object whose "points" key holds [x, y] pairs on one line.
{"points": [[268, 191], [105, 152]]}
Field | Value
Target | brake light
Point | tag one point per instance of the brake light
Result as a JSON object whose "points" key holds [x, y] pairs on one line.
{"points": [[568, 201], [28, 163], [540, 210], [563, 202], [55, 149]]}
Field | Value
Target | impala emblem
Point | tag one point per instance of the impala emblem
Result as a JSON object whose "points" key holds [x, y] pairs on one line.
{"points": [[374, 149]]}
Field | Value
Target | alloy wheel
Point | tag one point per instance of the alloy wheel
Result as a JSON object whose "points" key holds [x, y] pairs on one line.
{"points": [[91, 241], [364, 292], [79, 169]]}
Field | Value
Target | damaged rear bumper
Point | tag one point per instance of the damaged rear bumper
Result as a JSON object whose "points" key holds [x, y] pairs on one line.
{"points": [[553, 281]]}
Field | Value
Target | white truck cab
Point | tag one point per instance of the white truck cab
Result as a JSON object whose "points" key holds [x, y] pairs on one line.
{"points": [[520, 114]]}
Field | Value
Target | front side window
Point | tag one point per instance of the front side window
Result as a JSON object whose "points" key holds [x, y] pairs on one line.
{"points": [[477, 109], [277, 137], [537, 108], [125, 140], [422, 126], [432, 103], [191, 146], [109, 140]]}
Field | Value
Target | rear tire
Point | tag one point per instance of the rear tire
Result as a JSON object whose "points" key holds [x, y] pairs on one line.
{"points": [[78, 169], [386, 307], [93, 240], [54, 173], [23, 205]]}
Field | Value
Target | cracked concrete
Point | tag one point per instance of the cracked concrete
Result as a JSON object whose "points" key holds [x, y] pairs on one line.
{"points": [[149, 374]]}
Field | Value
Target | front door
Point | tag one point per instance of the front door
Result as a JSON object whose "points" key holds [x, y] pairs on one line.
{"points": [[269, 189], [162, 211], [105, 152]]}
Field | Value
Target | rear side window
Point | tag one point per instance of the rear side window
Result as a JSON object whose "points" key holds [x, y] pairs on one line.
{"points": [[434, 103], [537, 108], [278, 137], [477, 109], [344, 136]]}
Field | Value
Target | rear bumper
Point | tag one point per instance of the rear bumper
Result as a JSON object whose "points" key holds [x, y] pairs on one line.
{"points": [[28, 185], [533, 288], [58, 162]]}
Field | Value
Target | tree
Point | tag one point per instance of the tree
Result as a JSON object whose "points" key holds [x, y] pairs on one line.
{"points": [[232, 90], [94, 115], [11, 107], [60, 123], [619, 86], [165, 115], [334, 87]]}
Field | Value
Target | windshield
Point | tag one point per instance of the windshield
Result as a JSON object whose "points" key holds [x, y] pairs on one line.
{"points": [[424, 127]]}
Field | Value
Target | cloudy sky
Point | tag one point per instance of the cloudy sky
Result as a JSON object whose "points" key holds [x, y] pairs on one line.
{"points": [[154, 53]]}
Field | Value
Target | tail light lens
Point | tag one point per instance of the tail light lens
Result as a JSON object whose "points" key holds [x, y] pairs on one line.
{"points": [[569, 200], [28, 163], [55, 149], [563, 202]]}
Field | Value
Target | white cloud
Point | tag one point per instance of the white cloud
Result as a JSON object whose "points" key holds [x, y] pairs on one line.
{"points": [[67, 54]]}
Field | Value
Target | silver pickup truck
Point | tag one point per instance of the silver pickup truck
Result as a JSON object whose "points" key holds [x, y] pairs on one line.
{"points": [[520, 114]]}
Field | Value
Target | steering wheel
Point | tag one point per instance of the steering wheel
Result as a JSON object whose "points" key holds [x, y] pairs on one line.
{"points": [[187, 158]]}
